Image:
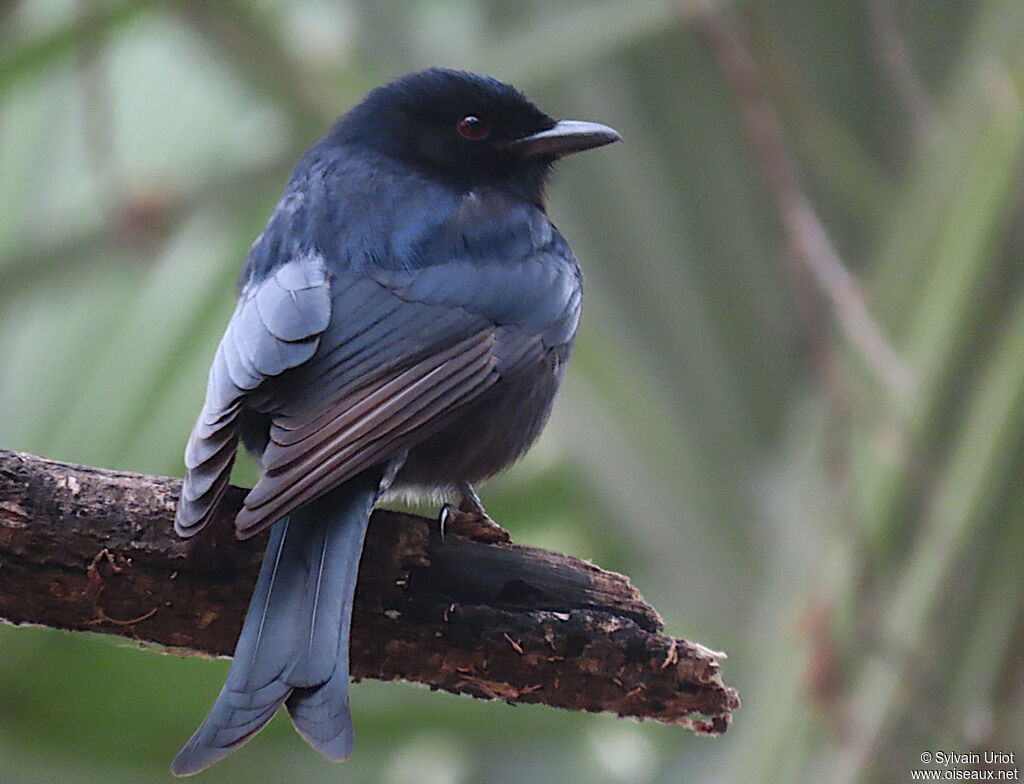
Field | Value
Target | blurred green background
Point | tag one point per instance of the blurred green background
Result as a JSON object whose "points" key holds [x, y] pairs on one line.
{"points": [[855, 545]]}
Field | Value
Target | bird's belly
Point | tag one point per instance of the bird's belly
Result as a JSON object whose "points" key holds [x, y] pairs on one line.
{"points": [[489, 434]]}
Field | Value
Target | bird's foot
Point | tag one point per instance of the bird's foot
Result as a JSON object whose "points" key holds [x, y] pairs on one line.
{"points": [[471, 525], [470, 520]]}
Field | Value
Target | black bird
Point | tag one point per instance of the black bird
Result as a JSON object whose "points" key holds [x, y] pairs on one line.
{"points": [[402, 326]]}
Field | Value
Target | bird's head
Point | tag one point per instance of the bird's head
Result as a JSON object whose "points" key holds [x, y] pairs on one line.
{"points": [[467, 130]]}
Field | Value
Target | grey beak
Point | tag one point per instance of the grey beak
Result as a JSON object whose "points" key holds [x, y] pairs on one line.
{"points": [[567, 137]]}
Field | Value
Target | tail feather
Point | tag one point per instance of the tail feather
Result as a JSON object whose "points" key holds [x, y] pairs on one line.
{"points": [[294, 644], [242, 723], [321, 715], [323, 719]]}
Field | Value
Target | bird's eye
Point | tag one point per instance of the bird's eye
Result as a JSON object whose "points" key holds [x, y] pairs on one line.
{"points": [[472, 127]]}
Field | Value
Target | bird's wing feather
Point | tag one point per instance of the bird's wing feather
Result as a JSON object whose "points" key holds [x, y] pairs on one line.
{"points": [[404, 350], [354, 367], [312, 450], [276, 326]]}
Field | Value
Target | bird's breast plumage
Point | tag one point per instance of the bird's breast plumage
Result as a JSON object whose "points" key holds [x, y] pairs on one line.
{"points": [[502, 261]]}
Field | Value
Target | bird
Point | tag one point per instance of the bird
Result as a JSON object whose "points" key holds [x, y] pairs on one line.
{"points": [[402, 326]]}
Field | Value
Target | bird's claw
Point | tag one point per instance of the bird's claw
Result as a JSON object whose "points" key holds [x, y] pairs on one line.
{"points": [[470, 524]]}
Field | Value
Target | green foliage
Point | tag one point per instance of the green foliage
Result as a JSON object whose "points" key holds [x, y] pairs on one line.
{"points": [[856, 552]]}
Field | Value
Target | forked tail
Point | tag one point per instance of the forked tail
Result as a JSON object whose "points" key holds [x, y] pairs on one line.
{"points": [[294, 645]]}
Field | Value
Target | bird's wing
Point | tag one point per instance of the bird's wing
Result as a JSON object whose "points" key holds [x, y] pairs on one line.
{"points": [[403, 351], [276, 326]]}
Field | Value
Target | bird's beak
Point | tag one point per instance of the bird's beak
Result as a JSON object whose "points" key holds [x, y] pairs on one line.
{"points": [[567, 137]]}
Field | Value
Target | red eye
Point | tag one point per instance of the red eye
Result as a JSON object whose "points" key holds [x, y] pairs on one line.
{"points": [[472, 127]]}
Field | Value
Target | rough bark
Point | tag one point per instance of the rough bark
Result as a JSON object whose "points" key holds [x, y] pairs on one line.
{"points": [[90, 549]]}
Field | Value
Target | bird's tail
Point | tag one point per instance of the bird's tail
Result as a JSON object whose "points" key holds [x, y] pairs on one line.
{"points": [[294, 645]]}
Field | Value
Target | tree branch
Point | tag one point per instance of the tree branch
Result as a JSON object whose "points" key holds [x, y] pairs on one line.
{"points": [[89, 549]]}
